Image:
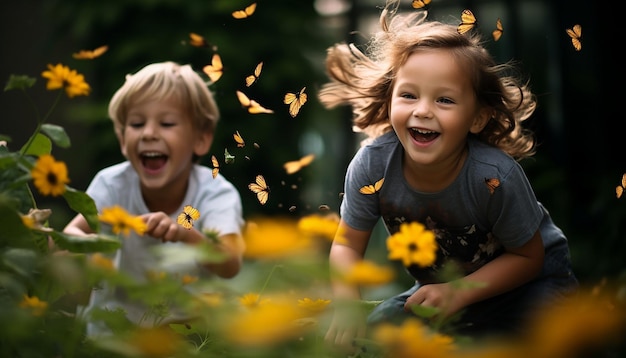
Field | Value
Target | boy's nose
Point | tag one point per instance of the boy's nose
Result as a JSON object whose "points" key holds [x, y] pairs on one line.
{"points": [[150, 131]]}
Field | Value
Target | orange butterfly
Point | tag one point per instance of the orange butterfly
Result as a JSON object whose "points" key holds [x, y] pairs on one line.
{"points": [[468, 22], [215, 69], [242, 14], [497, 33], [253, 106], [420, 4], [90, 55], [371, 189], [239, 139], [197, 40], [575, 33], [216, 166], [260, 188], [492, 184], [296, 165], [619, 190], [187, 217], [253, 77], [295, 101]]}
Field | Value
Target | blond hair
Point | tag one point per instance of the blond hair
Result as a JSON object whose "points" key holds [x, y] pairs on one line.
{"points": [[365, 81], [166, 80]]}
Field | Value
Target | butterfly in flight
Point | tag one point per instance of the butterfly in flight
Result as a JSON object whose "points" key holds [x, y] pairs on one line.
{"points": [[187, 217], [492, 184], [576, 33], [295, 101], [371, 189], [228, 158], [215, 69], [253, 106], [247, 12], [90, 55], [420, 4], [255, 76], [239, 139], [497, 33], [197, 40], [260, 188], [294, 166], [216, 166], [468, 22], [620, 189]]}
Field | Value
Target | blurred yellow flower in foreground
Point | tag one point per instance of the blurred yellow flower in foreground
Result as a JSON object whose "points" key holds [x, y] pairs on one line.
{"points": [[275, 238], [60, 76], [37, 307], [318, 225], [251, 300], [266, 325], [122, 221], [413, 244], [368, 273], [100, 261], [156, 342], [50, 176], [313, 307], [412, 339]]}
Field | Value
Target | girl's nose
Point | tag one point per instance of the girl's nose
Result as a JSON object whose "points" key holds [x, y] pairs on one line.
{"points": [[422, 109]]}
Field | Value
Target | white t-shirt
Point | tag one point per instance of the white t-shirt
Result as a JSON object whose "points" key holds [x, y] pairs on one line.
{"points": [[217, 200]]}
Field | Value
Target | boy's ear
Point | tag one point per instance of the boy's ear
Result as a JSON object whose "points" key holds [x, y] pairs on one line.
{"points": [[203, 143], [120, 139], [481, 120]]}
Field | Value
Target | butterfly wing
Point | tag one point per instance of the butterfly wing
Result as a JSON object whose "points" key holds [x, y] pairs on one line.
{"points": [[255, 76], [243, 99], [215, 69], [197, 40], [575, 33], [294, 166], [468, 21], [239, 139], [372, 188], [90, 55], [497, 33], [260, 188], [492, 184], [193, 213], [216, 166], [256, 108], [295, 101], [420, 4], [242, 14]]}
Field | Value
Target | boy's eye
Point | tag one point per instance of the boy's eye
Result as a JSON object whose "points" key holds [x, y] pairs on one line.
{"points": [[135, 124], [446, 100]]}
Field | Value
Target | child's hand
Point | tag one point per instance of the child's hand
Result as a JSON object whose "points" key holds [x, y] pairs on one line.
{"points": [[161, 226], [441, 295]]}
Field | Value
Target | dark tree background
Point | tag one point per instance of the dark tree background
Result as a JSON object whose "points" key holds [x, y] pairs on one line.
{"points": [[580, 160]]}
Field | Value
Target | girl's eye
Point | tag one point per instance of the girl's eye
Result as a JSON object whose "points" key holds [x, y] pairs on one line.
{"points": [[407, 95], [168, 124], [446, 100]]}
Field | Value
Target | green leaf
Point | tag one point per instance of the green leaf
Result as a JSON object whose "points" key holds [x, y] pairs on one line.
{"points": [[425, 311], [19, 82], [40, 145], [13, 232], [82, 203], [57, 134], [86, 244]]}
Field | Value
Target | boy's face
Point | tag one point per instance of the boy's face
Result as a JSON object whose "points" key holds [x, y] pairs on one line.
{"points": [[159, 141]]}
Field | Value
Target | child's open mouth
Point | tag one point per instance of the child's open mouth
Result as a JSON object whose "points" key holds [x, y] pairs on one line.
{"points": [[153, 160], [423, 135]]}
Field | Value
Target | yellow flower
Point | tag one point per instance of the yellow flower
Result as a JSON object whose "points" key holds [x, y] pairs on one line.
{"points": [[251, 300], [50, 176], [266, 325], [413, 244], [189, 279], [36, 306], [100, 261], [317, 225], [271, 239], [312, 307], [368, 273], [122, 221], [413, 339], [212, 299], [60, 76], [156, 342]]}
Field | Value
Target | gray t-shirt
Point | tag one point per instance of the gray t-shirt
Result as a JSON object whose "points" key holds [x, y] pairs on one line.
{"points": [[217, 200], [472, 225]]}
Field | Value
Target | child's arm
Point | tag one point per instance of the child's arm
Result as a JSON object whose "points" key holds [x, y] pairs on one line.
{"points": [[347, 249], [160, 226], [512, 269], [78, 226]]}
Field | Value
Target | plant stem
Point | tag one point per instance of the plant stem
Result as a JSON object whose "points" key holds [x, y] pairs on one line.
{"points": [[40, 121]]}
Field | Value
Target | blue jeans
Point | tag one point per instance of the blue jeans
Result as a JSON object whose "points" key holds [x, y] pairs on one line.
{"points": [[504, 314]]}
